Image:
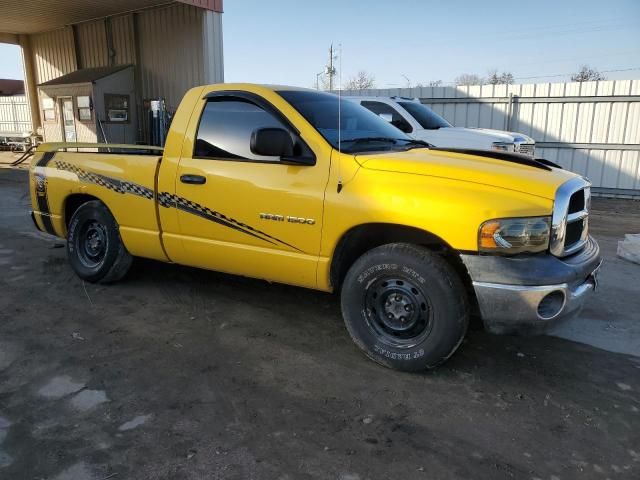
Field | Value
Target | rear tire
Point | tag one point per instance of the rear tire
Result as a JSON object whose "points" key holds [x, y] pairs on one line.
{"points": [[405, 307], [94, 246]]}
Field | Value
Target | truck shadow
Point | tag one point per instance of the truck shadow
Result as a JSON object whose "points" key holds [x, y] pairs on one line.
{"points": [[310, 323]]}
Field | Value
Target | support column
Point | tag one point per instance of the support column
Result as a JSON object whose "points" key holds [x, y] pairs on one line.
{"points": [[30, 82]]}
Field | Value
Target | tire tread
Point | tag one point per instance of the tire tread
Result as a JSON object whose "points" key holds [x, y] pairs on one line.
{"points": [[443, 269]]}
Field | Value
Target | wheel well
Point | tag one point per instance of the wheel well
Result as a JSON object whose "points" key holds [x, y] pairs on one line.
{"points": [[359, 240], [73, 202]]}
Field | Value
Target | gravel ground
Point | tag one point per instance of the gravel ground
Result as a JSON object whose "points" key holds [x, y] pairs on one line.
{"points": [[177, 373]]}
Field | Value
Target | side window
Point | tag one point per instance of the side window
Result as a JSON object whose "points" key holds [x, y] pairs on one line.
{"points": [[397, 120], [226, 126]]}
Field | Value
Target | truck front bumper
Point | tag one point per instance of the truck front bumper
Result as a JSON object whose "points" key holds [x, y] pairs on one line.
{"points": [[525, 294]]}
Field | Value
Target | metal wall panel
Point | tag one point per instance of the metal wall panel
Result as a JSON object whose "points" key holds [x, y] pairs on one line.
{"points": [[171, 52], [53, 53], [14, 114], [174, 47], [123, 40], [592, 128], [92, 42], [213, 48]]}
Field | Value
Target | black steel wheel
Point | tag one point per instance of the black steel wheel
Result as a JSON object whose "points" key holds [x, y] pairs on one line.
{"points": [[95, 249], [405, 306], [398, 311], [92, 243]]}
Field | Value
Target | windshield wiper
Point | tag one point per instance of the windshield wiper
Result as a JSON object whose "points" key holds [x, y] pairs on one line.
{"points": [[356, 141], [412, 143]]}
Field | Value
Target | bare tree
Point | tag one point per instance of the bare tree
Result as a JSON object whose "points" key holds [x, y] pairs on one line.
{"points": [[469, 79], [324, 83], [430, 83], [505, 78], [362, 81], [587, 74]]}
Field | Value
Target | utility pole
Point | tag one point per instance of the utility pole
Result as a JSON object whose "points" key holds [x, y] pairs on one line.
{"points": [[317, 79], [331, 70]]}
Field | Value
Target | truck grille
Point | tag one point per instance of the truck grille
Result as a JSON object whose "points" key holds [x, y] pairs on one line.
{"points": [[527, 149], [570, 223]]}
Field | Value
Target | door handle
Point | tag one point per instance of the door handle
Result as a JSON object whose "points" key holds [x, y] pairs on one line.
{"points": [[193, 179]]}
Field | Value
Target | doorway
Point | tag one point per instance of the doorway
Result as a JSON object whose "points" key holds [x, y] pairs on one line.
{"points": [[68, 119]]}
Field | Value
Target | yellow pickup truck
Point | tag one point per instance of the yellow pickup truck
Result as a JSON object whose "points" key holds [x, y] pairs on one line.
{"points": [[296, 186]]}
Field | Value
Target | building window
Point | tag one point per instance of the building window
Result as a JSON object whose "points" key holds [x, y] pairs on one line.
{"points": [[116, 108], [226, 126], [49, 109], [84, 108]]}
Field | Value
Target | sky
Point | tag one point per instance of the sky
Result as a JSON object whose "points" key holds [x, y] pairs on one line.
{"points": [[412, 41], [287, 41]]}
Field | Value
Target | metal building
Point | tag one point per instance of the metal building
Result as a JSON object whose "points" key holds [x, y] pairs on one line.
{"points": [[170, 46]]}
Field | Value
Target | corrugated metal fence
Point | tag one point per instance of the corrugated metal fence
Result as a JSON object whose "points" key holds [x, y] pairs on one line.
{"points": [[592, 128], [14, 114]]}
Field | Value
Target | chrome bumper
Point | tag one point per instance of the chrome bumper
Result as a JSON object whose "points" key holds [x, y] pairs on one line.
{"points": [[516, 308], [516, 303]]}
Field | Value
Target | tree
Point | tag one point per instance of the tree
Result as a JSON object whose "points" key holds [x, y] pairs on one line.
{"points": [[323, 82], [587, 74], [505, 78], [362, 81], [469, 79]]}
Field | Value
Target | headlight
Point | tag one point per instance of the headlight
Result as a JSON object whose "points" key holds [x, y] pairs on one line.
{"points": [[504, 146], [514, 235]]}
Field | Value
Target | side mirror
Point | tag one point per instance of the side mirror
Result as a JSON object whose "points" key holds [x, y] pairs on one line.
{"points": [[271, 142], [388, 117]]}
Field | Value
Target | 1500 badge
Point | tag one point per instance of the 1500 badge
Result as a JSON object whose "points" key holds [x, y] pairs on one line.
{"points": [[287, 218]]}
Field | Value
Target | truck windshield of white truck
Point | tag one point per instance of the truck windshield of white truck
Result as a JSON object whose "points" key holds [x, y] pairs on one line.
{"points": [[427, 118]]}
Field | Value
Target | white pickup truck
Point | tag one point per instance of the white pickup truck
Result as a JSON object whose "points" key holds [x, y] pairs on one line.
{"points": [[422, 123]]}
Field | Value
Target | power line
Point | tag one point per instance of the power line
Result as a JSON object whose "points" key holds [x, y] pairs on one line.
{"points": [[555, 75], [567, 74]]}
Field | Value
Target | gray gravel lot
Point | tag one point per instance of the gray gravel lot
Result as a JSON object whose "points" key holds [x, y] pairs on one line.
{"points": [[177, 373]]}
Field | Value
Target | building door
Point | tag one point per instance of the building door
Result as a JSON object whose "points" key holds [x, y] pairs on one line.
{"points": [[68, 120]]}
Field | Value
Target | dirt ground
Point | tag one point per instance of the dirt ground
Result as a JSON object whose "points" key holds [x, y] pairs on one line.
{"points": [[177, 373]]}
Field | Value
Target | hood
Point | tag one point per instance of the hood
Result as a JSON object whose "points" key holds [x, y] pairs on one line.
{"points": [[485, 135], [470, 168], [500, 134]]}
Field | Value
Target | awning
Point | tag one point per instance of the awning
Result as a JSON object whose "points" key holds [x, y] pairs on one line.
{"points": [[34, 16]]}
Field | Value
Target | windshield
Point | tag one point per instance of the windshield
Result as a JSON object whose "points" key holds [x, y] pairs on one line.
{"points": [[361, 130], [426, 117]]}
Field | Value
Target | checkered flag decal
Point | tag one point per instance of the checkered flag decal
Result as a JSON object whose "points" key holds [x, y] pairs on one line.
{"points": [[168, 200], [120, 186]]}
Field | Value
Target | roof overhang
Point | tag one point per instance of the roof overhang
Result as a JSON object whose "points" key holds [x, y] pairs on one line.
{"points": [[24, 17]]}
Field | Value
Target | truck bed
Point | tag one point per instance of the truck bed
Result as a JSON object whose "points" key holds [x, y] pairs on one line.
{"points": [[122, 176]]}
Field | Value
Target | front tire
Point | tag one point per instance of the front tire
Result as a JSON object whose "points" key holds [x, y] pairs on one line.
{"points": [[405, 307], [94, 247]]}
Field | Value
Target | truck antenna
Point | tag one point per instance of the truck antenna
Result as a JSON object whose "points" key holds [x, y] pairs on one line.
{"points": [[339, 116]]}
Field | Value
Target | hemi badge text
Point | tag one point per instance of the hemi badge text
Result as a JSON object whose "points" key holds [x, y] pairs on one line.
{"points": [[288, 218]]}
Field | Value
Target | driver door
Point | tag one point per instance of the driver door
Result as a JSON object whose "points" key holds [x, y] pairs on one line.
{"points": [[243, 213]]}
